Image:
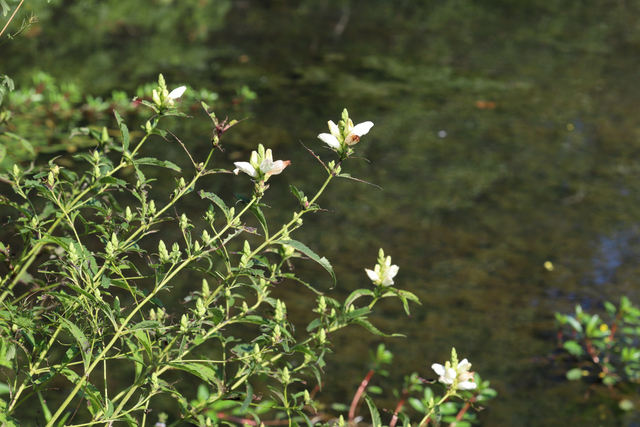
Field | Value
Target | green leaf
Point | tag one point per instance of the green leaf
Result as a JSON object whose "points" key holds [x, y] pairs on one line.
{"points": [[80, 337], [6, 420], [308, 252], [574, 324], [357, 294], [215, 199], [255, 209], [574, 374], [200, 370], [155, 162], [247, 400], [4, 79], [573, 348], [375, 415], [305, 418], [88, 391], [367, 325], [124, 131], [25, 144], [5, 10], [146, 324]]}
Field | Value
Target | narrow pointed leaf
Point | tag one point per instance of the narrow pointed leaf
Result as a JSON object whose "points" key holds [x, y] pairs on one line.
{"points": [[124, 131], [308, 252], [375, 415]]}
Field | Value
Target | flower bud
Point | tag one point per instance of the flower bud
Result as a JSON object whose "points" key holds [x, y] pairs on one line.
{"points": [[200, 308], [206, 239], [286, 377], [205, 289], [184, 323], [128, 215], [152, 207], [184, 222], [162, 252]]}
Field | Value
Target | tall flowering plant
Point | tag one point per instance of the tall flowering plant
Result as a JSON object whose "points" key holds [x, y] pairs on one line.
{"points": [[92, 259]]}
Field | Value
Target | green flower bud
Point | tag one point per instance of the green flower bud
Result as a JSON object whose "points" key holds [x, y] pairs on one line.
{"points": [[105, 135], [322, 336], [200, 308], [205, 289], [184, 323], [152, 208], [72, 254], [206, 239], [286, 377], [128, 215], [184, 222], [162, 252]]}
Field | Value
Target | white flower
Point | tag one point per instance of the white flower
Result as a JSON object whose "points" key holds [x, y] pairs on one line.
{"points": [[165, 98], [461, 377], [383, 273], [355, 132], [266, 167], [342, 136]]}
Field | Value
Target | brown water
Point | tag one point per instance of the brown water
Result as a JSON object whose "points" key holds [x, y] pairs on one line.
{"points": [[506, 135]]}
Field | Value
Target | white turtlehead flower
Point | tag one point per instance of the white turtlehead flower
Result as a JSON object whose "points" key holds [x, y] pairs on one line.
{"points": [[383, 273], [165, 98], [265, 167], [460, 377], [355, 132], [350, 135]]}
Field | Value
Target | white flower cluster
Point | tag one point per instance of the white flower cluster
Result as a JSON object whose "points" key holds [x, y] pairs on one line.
{"points": [[261, 165], [383, 273], [458, 377]]}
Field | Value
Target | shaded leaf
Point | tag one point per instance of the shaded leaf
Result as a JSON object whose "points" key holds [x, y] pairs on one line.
{"points": [[375, 415], [155, 162], [308, 252]]}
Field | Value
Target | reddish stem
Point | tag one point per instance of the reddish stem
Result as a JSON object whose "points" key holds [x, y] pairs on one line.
{"points": [[465, 408], [358, 395], [399, 406]]}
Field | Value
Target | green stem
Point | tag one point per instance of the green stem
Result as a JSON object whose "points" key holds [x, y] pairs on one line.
{"points": [[433, 408], [295, 219]]}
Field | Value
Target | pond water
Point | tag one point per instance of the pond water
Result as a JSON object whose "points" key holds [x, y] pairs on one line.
{"points": [[506, 135]]}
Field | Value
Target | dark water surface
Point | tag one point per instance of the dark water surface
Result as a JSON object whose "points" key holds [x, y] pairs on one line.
{"points": [[506, 135]]}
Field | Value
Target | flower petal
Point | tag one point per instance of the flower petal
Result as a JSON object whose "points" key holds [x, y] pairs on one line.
{"points": [[246, 168], [330, 140], [333, 128], [372, 275], [278, 166], [362, 128], [467, 385], [464, 365], [438, 368], [177, 93]]}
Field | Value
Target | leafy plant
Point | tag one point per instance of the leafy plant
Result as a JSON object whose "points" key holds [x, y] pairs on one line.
{"points": [[602, 350], [88, 287]]}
